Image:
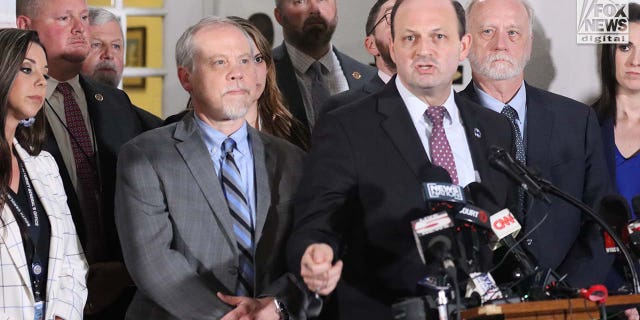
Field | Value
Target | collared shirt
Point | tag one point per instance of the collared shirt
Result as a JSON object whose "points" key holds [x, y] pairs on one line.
{"points": [[242, 155], [57, 120], [453, 128], [335, 79], [518, 102], [384, 77]]}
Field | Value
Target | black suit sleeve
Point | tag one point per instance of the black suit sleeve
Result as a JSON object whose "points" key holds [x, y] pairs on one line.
{"points": [[329, 180]]}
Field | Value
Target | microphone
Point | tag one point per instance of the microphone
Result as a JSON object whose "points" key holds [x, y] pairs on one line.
{"points": [[633, 228], [503, 161], [614, 209], [478, 194], [506, 228]]}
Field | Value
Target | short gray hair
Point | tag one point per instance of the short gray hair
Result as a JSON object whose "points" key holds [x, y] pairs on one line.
{"points": [[525, 3], [185, 49], [100, 16]]}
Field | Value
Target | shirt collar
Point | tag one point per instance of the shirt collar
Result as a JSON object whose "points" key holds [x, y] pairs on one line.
{"points": [[383, 76], [518, 102], [213, 138], [417, 107], [301, 61], [52, 84]]}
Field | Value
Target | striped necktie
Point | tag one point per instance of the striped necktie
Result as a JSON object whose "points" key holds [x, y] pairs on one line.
{"points": [[243, 220]]}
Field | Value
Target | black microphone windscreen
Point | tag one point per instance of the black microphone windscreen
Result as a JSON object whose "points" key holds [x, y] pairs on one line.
{"points": [[635, 204], [435, 173], [614, 209], [479, 195]]}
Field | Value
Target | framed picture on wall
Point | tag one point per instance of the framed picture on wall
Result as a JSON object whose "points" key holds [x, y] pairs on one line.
{"points": [[136, 53]]}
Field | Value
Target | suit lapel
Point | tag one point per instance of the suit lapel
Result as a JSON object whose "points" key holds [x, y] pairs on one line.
{"points": [[263, 167], [474, 129], [288, 83], [538, 130], [400, 129], [198, 160], [351, 71], [373, 85]]}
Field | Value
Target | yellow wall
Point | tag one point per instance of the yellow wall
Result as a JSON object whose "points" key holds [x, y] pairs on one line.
{"points": [[149, 97]]}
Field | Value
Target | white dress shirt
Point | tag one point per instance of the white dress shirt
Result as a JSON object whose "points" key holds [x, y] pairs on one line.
{"points": [[453, 128]]}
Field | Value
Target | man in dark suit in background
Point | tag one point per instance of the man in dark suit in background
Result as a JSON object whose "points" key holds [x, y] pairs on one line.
{"points": [[378, 31], [88, 122], [204, 205], [375, 153], [559, 138], [308, 68]]}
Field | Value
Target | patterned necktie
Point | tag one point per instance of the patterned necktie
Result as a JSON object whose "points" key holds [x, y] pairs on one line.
{"points": [[319, 90], [441, 154], [85, 160], [518, 143], [241, 213]]}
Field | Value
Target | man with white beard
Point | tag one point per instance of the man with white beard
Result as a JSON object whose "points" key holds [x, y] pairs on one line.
{"points": [[105, 61], [557, 136]]}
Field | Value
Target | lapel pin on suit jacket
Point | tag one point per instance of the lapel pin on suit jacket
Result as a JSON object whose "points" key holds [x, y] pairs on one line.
{"points": [[98, 97], [477, 133], [356, 75]]}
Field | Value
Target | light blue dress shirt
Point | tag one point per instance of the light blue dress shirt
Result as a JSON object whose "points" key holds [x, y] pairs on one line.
{"points": [[242, 155], [518, 102]]}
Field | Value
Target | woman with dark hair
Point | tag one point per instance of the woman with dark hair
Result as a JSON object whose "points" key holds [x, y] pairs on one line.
{"points": [[42, 267], [268, 112], [618, 108]]}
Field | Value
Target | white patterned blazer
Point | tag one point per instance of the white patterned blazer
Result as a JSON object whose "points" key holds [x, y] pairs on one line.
{"points": [[66, 282]]}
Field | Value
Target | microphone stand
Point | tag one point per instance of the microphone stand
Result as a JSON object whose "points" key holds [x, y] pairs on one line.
{"points": [[549, 188]]}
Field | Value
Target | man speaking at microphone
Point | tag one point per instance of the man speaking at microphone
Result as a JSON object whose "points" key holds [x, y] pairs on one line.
{"points": [[374, 154]]}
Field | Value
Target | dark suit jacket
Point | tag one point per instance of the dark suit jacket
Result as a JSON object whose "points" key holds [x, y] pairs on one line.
{"points": [[565, 147], [115, 121], [356, 73], [176, 229], [343, 98], [369, 154]]}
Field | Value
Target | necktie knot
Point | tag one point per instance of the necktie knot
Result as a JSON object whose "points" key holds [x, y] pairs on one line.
{"points": [[315, 69], [436, 114], [64, 88], [510, 113], [228, 145]]}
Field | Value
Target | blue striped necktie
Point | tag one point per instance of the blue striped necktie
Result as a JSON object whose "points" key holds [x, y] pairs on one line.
{"points": [[243, 220]]}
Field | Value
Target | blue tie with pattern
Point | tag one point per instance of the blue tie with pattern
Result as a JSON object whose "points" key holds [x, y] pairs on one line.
{"points": [[518, 143], [241, 213]]}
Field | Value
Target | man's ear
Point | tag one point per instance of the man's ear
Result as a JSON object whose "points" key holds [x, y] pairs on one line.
{"points": [[185, 79], [277, 15], [370, 45], [23, 22]]}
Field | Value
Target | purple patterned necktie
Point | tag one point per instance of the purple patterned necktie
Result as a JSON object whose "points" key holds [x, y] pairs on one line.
{"points": [[85, 160], [441, 154]]}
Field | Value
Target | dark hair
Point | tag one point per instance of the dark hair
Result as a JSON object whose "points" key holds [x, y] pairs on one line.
{"points": [[373, 14], [263, 22], [276, 118], [459, 14], [14, 44], [605, 106]]}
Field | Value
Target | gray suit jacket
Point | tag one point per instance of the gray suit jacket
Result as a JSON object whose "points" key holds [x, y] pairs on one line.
{"points": [[176, 230]]}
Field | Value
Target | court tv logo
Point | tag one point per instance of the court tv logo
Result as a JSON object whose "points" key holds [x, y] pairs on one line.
{"points": [[602, 21]]}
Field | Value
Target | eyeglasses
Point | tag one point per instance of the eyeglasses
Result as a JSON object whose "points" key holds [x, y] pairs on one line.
{"points": [[386, 17]]}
